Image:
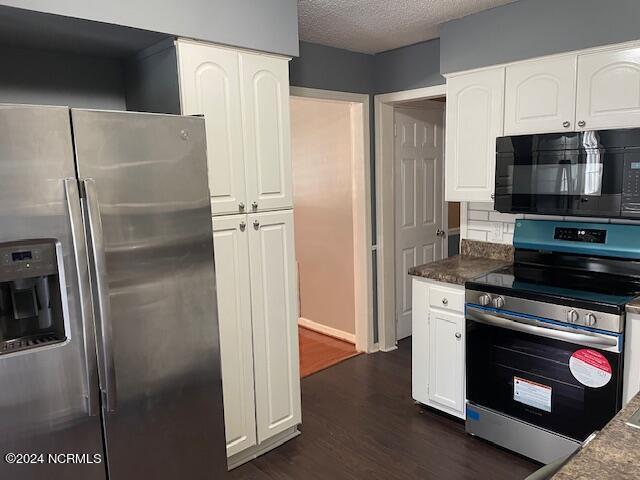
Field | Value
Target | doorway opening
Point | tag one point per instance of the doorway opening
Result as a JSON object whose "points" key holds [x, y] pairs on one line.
{"points": [[332, 225], [411, 215]]}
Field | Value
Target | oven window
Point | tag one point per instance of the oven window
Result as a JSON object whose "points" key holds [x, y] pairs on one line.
{"points": [[529, 377]]}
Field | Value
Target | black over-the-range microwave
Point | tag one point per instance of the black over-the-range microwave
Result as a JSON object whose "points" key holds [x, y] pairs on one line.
{"points": [[593, 173]]}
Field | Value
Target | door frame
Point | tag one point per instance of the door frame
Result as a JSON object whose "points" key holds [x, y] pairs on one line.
{"points": [[362, 231], [385, 205]]}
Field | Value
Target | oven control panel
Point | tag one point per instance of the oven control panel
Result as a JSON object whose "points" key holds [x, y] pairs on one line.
{"points": [[587, 235]]}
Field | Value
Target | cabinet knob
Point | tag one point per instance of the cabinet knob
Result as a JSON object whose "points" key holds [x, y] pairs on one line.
{"points": [[458, 335], [445, 301], [493, 195], [241, 206], [256, 224], [566, 124], [243, 225], [254, 205], [581, 123]]}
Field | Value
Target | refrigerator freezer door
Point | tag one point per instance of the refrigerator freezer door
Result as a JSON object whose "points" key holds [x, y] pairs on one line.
{"points": [[150, 219], [47, 403]]}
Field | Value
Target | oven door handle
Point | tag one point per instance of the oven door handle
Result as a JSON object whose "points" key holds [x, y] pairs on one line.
{"points": [[512, 322]]}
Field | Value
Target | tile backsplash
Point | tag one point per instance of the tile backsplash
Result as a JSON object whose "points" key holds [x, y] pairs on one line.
{"points": [[479, 221]]}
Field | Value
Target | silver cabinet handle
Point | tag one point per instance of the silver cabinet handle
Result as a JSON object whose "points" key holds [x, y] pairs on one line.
{"points": [[243, 225], [445, 301], [566, 124], [518, 324], [581, 123], [101, 294], [241, 206], [256, 224], [458, 335], [254, 205], [84, 292]]}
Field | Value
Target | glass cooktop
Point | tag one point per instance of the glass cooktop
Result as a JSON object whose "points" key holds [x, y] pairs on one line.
{"points": [[559, 286]]}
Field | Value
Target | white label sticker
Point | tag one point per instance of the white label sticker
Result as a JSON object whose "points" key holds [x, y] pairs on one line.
{"points": [[590, 368], [532, 393]]}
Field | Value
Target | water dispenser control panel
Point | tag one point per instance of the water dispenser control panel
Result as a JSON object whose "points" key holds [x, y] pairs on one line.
{"points": [[27, 258]]}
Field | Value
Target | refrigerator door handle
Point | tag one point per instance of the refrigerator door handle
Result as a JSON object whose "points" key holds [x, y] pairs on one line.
{"points": [[101, 293], [84, 291]]}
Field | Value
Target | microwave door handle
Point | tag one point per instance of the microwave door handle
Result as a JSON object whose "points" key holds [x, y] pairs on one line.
{"points": [[594, 340], [101, 292], [84, 292]]}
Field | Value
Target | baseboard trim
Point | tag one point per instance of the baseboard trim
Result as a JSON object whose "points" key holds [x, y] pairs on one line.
{"points": [[330, 331], [251, 453]]}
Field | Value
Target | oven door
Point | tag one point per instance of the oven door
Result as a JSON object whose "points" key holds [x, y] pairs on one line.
{"points": [[584, 182], [564, 379]]}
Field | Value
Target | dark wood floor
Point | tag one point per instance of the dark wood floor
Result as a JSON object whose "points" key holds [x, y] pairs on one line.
{"points": [[318, 351], [359, 422]]}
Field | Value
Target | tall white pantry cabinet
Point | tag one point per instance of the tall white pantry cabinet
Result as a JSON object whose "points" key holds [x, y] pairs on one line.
{"points": [[244, 97]]}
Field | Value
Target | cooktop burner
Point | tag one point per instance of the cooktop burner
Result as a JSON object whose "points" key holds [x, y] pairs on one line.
{"points": [[573, 288]]}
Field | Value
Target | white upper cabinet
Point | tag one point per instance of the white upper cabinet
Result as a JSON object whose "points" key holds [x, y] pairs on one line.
{"points": [[265, 98], [609, 89], [210, 86], [540, 96], [475, 112], [275, 316], [231, 246]]}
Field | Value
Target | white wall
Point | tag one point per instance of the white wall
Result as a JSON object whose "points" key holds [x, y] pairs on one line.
{"points": [[322, 156]]}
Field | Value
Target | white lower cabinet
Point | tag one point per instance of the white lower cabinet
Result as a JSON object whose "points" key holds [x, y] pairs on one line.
{"points": [[257, 314], [438, 346]]}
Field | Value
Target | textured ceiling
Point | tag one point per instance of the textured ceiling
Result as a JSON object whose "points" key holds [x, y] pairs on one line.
{"points": [[373, 26]]}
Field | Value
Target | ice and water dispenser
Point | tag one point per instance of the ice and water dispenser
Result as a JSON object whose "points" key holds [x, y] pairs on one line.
{"points": [[31, 311]]}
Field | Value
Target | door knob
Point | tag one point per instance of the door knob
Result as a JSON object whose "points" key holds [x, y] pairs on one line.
{"points": [[581, 123], [256, 224], [566, 124], [440, 233]]}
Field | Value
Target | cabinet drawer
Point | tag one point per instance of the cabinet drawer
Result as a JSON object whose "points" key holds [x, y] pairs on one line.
{"points": [[445, 298]]}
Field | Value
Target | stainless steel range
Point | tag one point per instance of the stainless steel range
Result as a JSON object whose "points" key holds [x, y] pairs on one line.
{"points": [[545, 336]]}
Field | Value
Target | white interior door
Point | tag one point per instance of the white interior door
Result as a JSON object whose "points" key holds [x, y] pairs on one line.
{"points": [[231, 250], [210, 86], [418, 198]]}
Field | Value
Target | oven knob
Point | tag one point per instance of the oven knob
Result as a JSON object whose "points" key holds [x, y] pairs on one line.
{"points": [[572, 316], [498, 302], [589, 319], [484, 299]]}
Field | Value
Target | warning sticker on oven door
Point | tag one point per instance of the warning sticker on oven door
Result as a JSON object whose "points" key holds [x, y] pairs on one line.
{"points": [[532, 393], [590, 368]]}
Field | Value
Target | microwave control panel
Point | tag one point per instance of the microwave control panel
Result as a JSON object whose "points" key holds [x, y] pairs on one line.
{"points": [[631, 186]]}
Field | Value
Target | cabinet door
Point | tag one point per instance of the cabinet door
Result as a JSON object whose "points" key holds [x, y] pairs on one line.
{"points": [[231, 251], [609, 89], [540, 96], [474, 120], [265, 96], [210, 86], [446, 360], [275, 327], [420, 338]]}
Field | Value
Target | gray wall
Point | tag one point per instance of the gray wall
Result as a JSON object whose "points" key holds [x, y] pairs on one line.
{"points": [[414, 66], [331, 68], [51, 78], [531, 28], [267, 25]]}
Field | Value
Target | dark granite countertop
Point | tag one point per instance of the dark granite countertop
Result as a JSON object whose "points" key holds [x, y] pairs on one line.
{"points": [[613, 454], [633, 306], [477, 258]]}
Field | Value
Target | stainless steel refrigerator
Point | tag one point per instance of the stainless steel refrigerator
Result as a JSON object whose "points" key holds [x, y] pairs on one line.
{"points": [[109, 356]]}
